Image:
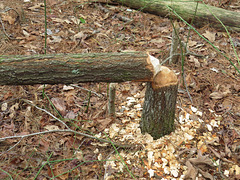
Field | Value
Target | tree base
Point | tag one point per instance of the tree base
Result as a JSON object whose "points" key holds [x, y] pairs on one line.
{"points": [[159, 110]]}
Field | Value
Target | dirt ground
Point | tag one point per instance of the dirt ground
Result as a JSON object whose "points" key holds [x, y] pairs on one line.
{"points": [[206, 142]]}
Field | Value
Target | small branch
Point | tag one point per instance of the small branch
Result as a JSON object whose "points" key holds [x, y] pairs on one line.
{"points": [[11, 147], [63, 130], [175, 42], [111, 100], [28, 102], [99, 95], [58, 130], [4, 31]]}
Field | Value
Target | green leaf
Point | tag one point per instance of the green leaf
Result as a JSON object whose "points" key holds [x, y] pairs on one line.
{"points": [[82, 20]]}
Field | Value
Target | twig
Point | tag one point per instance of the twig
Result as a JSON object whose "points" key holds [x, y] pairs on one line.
{"points": [[11, 147], [189, 95], [4, 31], [57, 130], [99, 95], [175, 42], [27, 101], [64, 130], [111, 100], [121, 18]]}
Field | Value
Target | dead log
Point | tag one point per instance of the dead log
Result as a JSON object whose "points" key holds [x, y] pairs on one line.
{"points": [[186, 10]]}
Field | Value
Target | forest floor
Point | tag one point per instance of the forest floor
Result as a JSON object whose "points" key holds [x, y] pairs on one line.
{"points": [[205, 143]]}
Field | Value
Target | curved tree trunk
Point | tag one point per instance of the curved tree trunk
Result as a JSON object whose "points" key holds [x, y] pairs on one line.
{"points": [[186, 10]]}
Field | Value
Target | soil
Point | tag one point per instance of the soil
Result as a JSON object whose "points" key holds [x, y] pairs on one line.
{"points": [[209, 94]]}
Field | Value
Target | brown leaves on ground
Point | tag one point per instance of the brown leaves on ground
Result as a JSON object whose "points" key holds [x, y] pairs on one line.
{"points": [[205, 143], [197, 165]]}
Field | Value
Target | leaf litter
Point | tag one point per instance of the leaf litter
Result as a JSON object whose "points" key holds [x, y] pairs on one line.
{"points": [[205, 143]]}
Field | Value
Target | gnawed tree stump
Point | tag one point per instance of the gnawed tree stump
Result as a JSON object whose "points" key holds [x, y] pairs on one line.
{"points": [[160, 100], [159, 106]]}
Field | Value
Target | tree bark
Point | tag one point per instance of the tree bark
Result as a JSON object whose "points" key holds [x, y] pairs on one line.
{"points": [[160, 100], [186, 10], [74, 68], [159, 110]]}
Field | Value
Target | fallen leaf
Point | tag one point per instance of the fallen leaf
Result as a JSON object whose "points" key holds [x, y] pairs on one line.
{"points": [[218, 95], [4, 106], [210, 36], [37, 6], [59, 105], [8, 18], [200, 160], [70, 115], [192, 43], [191, 172], [51, 127], [103, 123], [78, 36], [206, 174]]}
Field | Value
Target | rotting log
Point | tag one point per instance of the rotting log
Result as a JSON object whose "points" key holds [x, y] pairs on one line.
{"points": [[160, 99], [205, 14]]}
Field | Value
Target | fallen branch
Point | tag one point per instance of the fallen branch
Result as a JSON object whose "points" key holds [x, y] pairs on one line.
{"points": [[57, 131]]}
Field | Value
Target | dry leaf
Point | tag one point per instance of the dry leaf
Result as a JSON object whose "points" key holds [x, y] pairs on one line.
{"points": [[51, 127], [78, 36], [103, 123], [200, 160], [59, 105], [206, 175], [4, 106], [8, 18], [192, 171], [37, 6], [157, 41], [218, 95], [210, 36], [192, 43], [70, 115]]}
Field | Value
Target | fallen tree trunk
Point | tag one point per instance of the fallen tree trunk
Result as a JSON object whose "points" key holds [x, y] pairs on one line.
{"points": [[160, 99], [74, 68], [186, 10]]}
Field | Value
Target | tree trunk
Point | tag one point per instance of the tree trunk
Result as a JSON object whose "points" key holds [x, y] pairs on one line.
{"points": [[160, 100], [74, 68], [159, 110], [186, 10]]}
